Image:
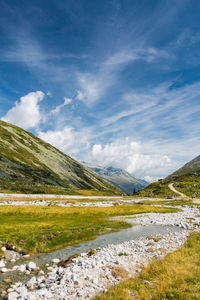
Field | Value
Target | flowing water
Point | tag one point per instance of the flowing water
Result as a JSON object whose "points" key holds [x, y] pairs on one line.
{"points": [[133, 233]]}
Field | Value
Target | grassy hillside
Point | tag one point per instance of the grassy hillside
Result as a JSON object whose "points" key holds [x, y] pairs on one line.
{"points": [[30, 165], [188, 184]]}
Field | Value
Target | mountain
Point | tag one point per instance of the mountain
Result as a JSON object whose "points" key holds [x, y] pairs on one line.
{"points": [[30, 165], [189, 168], [120, 178], [186, 180]]}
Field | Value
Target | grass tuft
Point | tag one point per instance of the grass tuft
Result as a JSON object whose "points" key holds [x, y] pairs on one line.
{"points": [[177, 276]]}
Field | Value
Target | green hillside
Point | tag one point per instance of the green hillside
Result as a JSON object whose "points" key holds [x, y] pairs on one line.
{"points": [[185, 179], [30, 165]]}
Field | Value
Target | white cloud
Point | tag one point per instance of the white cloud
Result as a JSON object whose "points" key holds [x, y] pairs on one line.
{"points": [[131, 156], [58, 108], [93, 85], [26, 113], [150, 179], [80, 95], [67, 140]]}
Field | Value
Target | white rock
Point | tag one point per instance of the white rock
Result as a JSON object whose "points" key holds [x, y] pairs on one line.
{"points": [[55, 261], [4, 270], [3, 249], [21, 268], [31, 283], [2, 264], [31, 266], [13, 296]]}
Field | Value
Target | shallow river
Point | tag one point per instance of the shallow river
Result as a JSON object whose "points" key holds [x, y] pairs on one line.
{"points": [[133, 233]]}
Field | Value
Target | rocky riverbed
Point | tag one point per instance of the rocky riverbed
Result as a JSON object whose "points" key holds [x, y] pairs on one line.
{"points": [[85, 276]]}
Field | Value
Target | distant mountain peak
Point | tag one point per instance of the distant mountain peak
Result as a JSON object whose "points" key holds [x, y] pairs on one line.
{"points": [[118, 177]]}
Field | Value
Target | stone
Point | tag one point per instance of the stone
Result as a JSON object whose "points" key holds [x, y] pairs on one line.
{"points": [[55, 261], [21, 268], [4, 270], [31, 283], [12, 296], [22, 291], [2, 264], [3, 249], [10, 254], [31, 266], [7, 280]]}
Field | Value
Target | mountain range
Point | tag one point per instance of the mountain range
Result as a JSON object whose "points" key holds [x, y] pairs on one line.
{"points": [[30, 165], [118, 177]]}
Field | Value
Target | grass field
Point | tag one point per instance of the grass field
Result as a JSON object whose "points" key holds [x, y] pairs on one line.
{"points": [[175, 277], [170, 202], [43, 229]]}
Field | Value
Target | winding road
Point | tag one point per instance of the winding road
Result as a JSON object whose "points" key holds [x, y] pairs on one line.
{"points": [[172, 188]]}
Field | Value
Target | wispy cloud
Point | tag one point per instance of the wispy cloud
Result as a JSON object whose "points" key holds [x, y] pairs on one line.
{"points": [[59, 107], [94, 85]]}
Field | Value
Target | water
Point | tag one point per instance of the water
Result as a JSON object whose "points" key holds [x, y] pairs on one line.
{"points": [[133, 233]]}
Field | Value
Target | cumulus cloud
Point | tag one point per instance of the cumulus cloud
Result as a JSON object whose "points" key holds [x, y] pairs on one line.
{"points": [[67, 140], [150, 179], [58, 108], [26, 113], [131, 156]]}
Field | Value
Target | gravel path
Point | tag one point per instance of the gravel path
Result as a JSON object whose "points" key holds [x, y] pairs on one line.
{"points": [[92, 273], [172, 188]]}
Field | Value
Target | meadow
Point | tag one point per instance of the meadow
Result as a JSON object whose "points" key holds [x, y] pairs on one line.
{"points": [[34, 229]]}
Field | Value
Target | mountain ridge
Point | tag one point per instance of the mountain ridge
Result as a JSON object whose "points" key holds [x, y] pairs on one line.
{"points": [[28, 164], [119, 177]]}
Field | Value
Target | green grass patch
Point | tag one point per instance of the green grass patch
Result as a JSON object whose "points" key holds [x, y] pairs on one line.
{"points": [[171, 202], [43, 229], [177, 276]]}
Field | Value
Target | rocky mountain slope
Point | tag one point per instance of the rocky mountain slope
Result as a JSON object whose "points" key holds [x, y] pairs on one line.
{"points": [[30, 165], [186, 180], [120, 178]]}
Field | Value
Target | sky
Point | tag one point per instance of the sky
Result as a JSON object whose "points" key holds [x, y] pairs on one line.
{"points": [[113, 83]]}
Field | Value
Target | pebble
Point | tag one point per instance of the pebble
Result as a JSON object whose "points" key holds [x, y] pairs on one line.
{"points": [[31, 266], [90, 275], [4, 270], [55, 261]]}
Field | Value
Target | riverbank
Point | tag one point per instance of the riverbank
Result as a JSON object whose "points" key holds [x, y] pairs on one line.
{"points": [[47, 228], [175, 277], [93, 273]]}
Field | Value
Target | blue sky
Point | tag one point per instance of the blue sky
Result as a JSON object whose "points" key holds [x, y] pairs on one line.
{"points": [[109, 82]]}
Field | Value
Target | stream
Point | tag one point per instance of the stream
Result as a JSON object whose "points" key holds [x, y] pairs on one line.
{"points": [[133, 233]]}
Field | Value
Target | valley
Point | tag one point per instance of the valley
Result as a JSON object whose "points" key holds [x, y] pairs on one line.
{"points": [[31, 231], [72, 232]]}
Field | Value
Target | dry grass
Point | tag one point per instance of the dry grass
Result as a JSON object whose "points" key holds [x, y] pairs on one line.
{"points": [[177, 276]]}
